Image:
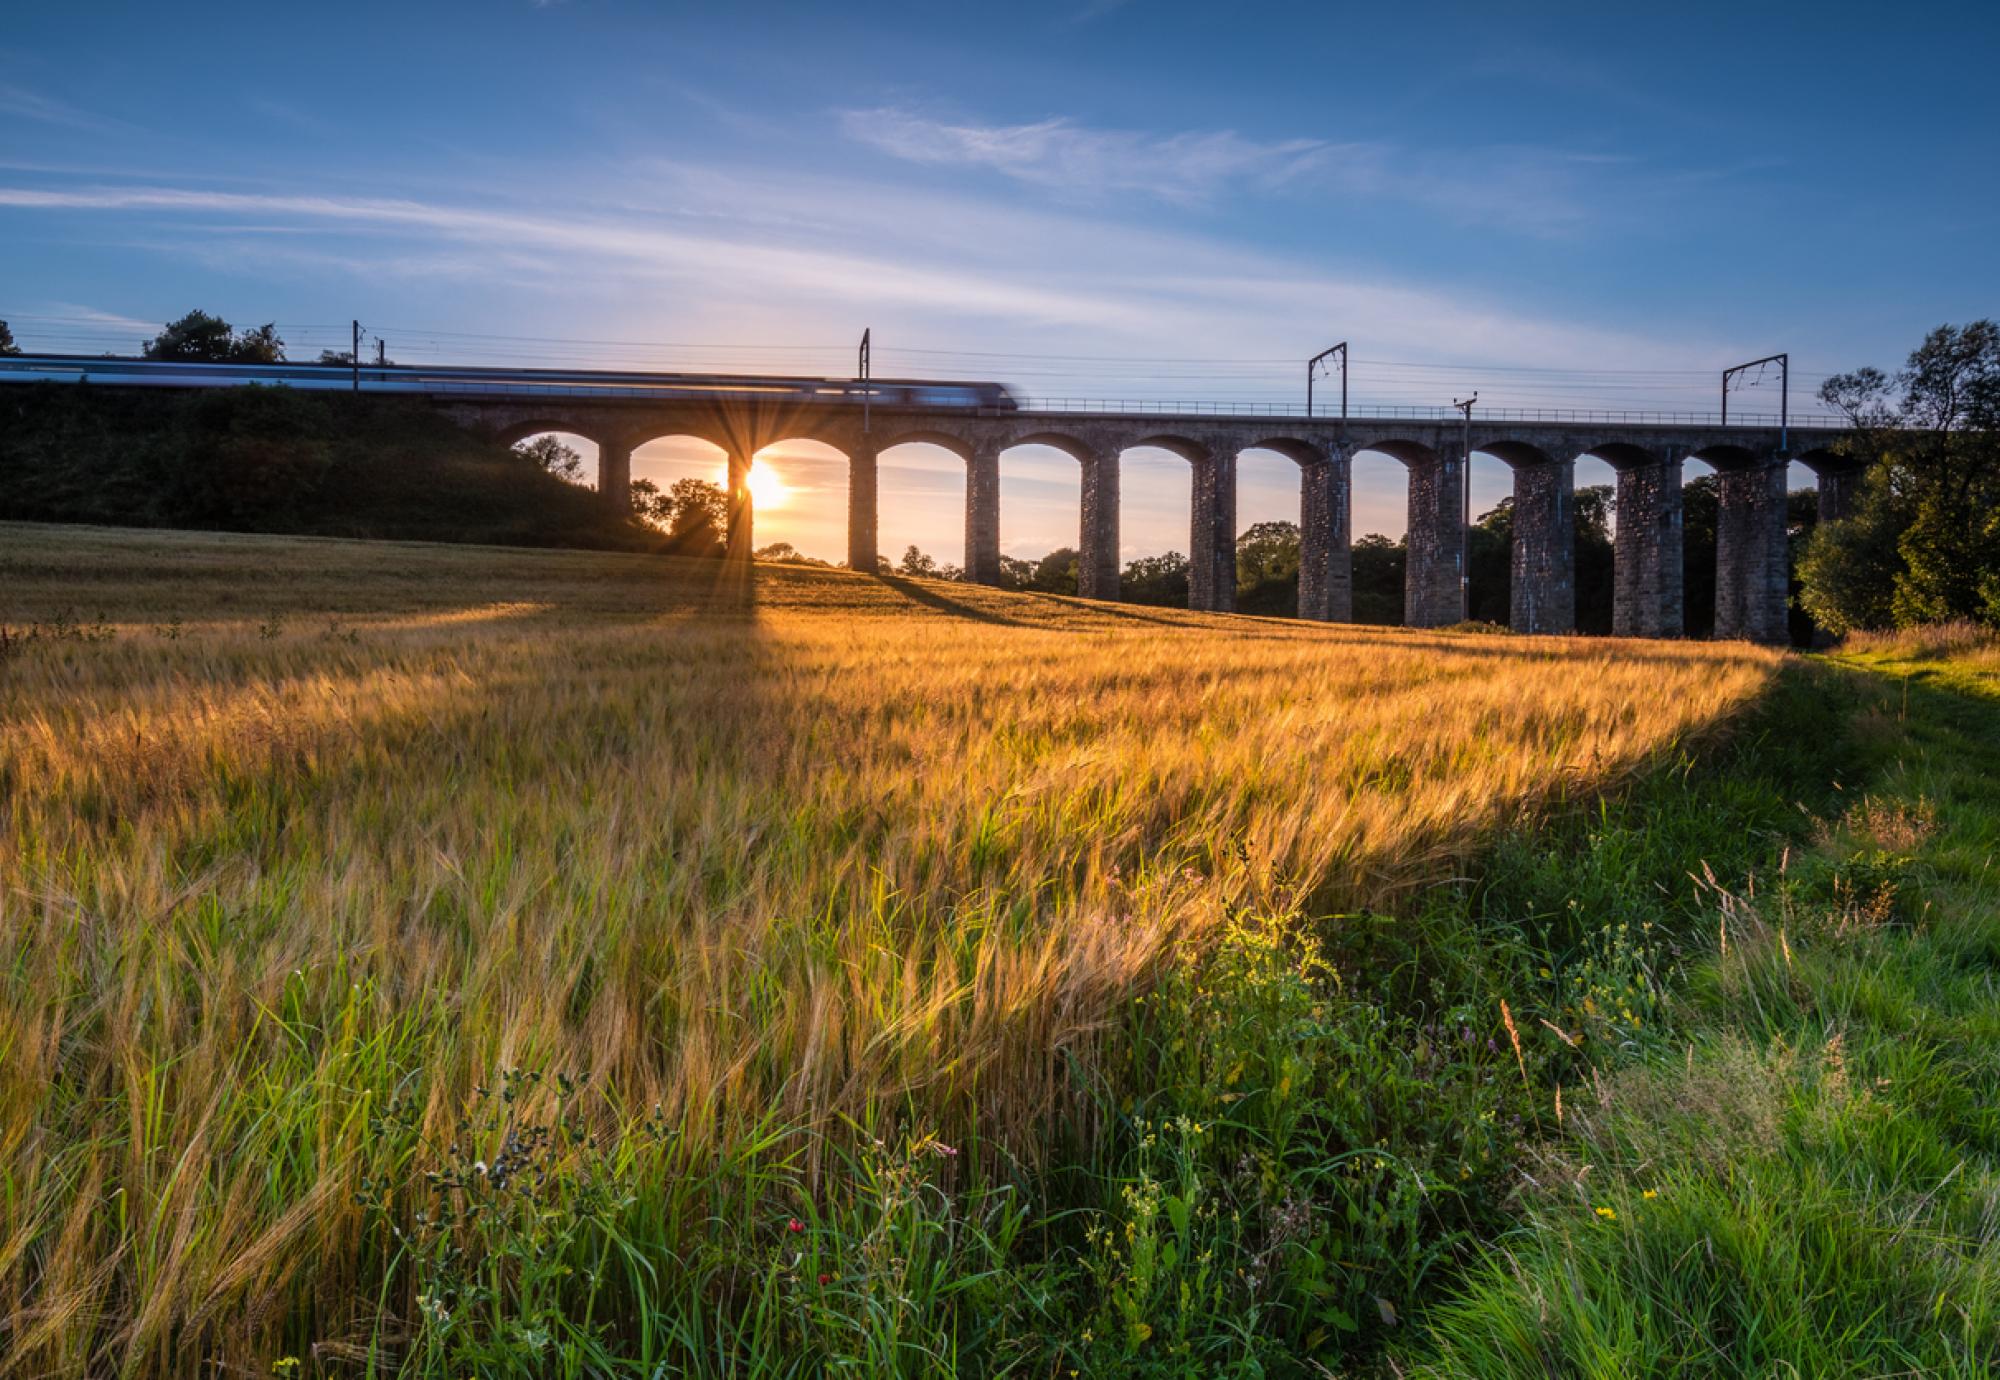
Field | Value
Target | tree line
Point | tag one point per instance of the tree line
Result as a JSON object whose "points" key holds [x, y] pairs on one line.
{"points": [[1922, 544]]}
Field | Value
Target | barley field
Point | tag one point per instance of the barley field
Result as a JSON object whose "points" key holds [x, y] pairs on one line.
{"points": [[306, 845]]}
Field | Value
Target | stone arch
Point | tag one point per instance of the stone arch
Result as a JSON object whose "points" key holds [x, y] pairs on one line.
{"points": [[1751, 565], [1411, 453], [916, 471], [1435, 536], [1518, 454], [1323, 582], [925, 436], [1839, 481], [1097, 544], [1073, 446], [1186, 447], [1821, 460], [592, 453], [1291, 447], [786, 483], [1210, 474], [671, 460], [1621, 455], [513, 433], [1326, 524], [1592, 466], [1724, 457]]}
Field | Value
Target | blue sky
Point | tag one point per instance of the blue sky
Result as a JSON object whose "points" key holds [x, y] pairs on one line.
{"points": [[1044, 194]]}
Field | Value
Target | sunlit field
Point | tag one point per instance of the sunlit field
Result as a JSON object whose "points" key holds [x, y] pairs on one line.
{"points": [[833, 895]]}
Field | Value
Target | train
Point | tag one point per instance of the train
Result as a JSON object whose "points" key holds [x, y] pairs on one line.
{"points": [[502, 383]]}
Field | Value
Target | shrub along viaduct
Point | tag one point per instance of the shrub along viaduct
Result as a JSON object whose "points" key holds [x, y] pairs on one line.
{"points": [[1752, 462]]}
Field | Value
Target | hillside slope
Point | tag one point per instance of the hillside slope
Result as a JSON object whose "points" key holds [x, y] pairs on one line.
{"points": [[280, 460]]}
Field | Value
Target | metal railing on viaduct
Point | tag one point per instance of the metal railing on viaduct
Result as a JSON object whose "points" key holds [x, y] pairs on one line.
{"points": [[977, 423]]}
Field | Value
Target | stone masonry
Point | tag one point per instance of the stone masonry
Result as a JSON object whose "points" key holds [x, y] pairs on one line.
{"points": [[1648, 457], [1750, 578], [1646, 552], [1433, 578], [1212, 535], [1542, 584]]}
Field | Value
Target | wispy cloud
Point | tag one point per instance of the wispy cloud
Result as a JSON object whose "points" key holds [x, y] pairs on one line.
{"points": [[1184, 168], [1541, 192], [637, 249], [22, 103], [101, 318], [726, 256]]}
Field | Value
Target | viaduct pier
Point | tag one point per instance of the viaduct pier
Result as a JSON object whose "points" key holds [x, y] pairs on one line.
{"points": [[619, 412], [1648, 456]]}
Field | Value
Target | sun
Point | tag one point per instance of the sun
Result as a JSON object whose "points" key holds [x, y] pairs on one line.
{"points": [[766, 489]]}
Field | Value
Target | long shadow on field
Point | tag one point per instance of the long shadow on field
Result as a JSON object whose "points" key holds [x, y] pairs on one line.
{"points": [[923, 594]]}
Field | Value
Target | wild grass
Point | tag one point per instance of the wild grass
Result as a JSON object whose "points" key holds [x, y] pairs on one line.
{"points": [[869, 917], [1799, 1172]]}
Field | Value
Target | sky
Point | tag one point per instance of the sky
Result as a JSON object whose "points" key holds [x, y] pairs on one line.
{"points": [[1593, 206]]}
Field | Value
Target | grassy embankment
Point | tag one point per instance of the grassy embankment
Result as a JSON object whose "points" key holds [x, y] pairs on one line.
{"points": [[1797, 1171], [283, 460], [952, 980]]}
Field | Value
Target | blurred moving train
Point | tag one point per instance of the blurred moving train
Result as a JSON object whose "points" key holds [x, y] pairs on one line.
{"points": [[506, 383]]}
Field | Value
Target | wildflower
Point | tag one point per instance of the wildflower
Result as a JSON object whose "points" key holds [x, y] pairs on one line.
{"points": [[1650, 1193], [1607, 1214], [825, 1279], [795, 1225]]}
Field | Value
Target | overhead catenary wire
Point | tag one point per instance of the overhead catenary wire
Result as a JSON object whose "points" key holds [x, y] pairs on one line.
{"points": [[1149, 379]]}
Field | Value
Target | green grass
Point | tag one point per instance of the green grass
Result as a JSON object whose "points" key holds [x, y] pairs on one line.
{"points": [[1798, 1175]]}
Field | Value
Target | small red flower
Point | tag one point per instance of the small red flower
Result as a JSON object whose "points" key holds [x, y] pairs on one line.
{"points": [[826, 1279], [795, 1225]]}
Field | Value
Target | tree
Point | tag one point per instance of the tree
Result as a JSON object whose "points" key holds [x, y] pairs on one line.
{"points": [[784, 553], [700, 515], [1016, 573], [346, 357], [552, 455], [1378, 565], [1923, 543], [1701, 514], [649, 505], [916, 562], [1267, 569], [1156, 580], [1594, 588], [201, 338], [7, 345], [693, 513], [1490, 566], [1055, 573]]}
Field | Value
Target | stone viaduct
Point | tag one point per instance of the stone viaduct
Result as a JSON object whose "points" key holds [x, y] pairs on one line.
{"points": [[1751, 590]]}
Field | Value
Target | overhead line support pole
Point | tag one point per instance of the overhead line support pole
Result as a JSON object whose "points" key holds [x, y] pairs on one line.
{"points": [[1312, 368], [863, 366], [1465, 514], [1784, 362]]}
